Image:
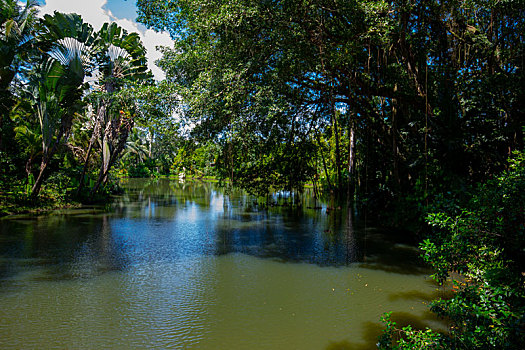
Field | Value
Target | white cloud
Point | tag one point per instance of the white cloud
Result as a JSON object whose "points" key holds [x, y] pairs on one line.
{"points": [[93, 12]]}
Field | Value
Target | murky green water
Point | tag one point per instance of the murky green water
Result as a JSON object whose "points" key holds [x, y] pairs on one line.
{"points": [[184, 266]]}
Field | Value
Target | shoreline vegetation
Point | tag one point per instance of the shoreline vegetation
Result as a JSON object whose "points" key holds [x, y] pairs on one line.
{"points": [[16, 202]]}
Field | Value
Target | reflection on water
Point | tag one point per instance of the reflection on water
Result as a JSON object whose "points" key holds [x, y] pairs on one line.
{"points": [[187, 266]]}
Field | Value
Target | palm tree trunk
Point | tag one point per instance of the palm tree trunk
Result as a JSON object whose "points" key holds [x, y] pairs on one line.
{"points": [[395, 155], [29, 165], [123, 128], [47, 154], [38, 183], [104, 168], [103, 175], [104, 171], [82, 176], [88, 153]]}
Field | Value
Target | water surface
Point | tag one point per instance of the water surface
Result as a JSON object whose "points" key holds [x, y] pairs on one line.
{"points": [[173, 266]]}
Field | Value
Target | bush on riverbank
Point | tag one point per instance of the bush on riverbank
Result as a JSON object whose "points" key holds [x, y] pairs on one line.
{"points": [[59, 192], [16, 199], [484, 242]]}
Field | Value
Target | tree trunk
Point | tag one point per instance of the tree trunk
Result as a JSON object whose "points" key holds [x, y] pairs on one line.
{"points": [[104, 171], [47, 154], [394, 144], [107, 152], [324, 164], [150, 148], [29, 165], [90, 147], [337, 156], [107, 148], [1, 121], [38, 183], [84, 169], [102, 178], [117, 130], [351, 162]]}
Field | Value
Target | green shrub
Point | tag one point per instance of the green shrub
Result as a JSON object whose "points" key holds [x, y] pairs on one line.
{"points": [[139, 170], [484, 246]]}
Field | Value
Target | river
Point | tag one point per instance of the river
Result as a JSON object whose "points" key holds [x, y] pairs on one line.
{"points": [[172, 265]]}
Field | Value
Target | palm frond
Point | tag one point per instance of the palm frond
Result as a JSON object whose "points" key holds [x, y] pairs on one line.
{"points": [[68, 49], [115, 53]]}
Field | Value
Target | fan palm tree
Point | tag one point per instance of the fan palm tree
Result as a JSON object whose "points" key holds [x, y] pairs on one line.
{"points": [[58, 82], [121, 60]]}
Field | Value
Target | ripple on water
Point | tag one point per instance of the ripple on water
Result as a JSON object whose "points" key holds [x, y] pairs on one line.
{"points": [[232, 300]]}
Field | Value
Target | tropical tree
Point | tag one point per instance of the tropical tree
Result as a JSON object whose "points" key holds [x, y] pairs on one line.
{"points": [[157, 106], [16, 40], [121, 61], [136, 152], [57, 84], [28, 137]]}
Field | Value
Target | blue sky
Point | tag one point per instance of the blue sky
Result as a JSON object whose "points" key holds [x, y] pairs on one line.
{"points": [[123, 12], [123, 8], [120, 8]]}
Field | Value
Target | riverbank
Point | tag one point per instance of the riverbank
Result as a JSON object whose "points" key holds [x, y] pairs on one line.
{"points": [[16, 200], [15, 203]]}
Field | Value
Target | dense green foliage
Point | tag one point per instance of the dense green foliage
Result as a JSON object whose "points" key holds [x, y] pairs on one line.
{"points": [[481, 246], [70, 98], [392, 99]]}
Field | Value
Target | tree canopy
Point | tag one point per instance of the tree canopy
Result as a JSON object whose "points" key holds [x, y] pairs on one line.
{"points": [[419, 90]]}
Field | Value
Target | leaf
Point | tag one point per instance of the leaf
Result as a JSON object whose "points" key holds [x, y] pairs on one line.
{"points": [[8, 26]]}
